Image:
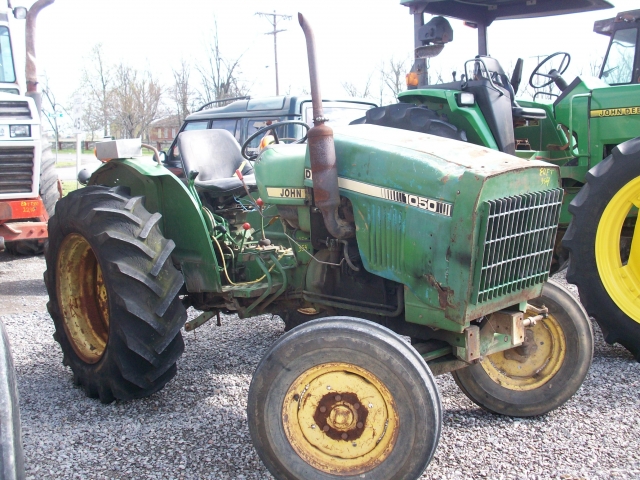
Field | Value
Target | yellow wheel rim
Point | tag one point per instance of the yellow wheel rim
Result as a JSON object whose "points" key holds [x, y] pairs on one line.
{"points": [[340, 419], [82, 297], [622, 282], [534, 363]]}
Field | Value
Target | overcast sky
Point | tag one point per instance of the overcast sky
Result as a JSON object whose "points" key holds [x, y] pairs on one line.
{"points": [[353, 38]]}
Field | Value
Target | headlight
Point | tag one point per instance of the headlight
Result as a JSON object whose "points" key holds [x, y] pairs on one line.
{"points": [[20, 130], [466, 99]]}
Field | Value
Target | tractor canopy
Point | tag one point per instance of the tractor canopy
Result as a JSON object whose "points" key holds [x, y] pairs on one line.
{"points": [[486, 11], [482, 13], [622, 62]]}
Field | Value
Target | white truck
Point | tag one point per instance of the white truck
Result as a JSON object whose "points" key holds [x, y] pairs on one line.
{"points": [[29, 187]]}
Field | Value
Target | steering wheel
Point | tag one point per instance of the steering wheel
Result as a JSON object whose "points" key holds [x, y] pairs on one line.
{"points": [[553, 72], [273, 126]]}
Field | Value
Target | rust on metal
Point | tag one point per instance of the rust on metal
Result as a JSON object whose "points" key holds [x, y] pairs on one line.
{"points": [[322, 152], [82, 296], [338, 417], [30, 34], [443, 293]]}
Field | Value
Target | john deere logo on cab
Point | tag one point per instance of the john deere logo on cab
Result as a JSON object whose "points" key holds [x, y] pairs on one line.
{"points": [[615, 112]]}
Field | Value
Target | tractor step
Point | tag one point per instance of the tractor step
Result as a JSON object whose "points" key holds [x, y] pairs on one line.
{"points": [[250, 290]]}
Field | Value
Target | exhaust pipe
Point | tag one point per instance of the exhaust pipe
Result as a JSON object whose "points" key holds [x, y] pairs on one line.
{"points": [[31, 71], [322, 151]]}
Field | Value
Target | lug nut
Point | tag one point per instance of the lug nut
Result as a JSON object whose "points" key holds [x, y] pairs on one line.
{"points": [[356, 406], [313, 426], [325, 428], [359, 425], [323, 409], [344, 436], [338, 398], [354, 444], [328, 387]]}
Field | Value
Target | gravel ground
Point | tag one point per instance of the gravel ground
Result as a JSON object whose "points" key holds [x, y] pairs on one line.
{"points": [[196, 427]]}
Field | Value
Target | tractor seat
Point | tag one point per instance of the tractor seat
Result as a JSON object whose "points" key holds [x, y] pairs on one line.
{"points": [[215, 154], [528, 113]]}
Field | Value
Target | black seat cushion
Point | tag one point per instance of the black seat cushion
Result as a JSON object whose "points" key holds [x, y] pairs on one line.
{"points": [[528, 113], [215, 154]]}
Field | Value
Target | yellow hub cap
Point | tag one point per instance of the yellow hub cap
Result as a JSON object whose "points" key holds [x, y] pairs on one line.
{"points": [[534, 363], [340, 419], [622, 282], [82, 297]]}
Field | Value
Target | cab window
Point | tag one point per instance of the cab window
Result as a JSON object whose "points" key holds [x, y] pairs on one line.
{"points": [[618, 68], [254, 125]]}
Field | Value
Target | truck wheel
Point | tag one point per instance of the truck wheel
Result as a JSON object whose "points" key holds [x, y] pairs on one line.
{"points": [[11, 453], [113, 294], [545, 371], [407, 116], [342, 397], [50, 195], [608, 279]]}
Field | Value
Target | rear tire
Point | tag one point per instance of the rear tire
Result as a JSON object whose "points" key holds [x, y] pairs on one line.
{"points": [[392, 434], [542, 374], [407, 116], [607, 289], [113, 294]]}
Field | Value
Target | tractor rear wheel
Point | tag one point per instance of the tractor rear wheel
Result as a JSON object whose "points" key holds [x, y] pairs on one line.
{"points": [[407, 116], [113, 294], [604, 251], [545, 371], [342, 397]]}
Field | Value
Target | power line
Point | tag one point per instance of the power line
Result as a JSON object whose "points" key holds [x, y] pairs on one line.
{"points": [[273, 20]]}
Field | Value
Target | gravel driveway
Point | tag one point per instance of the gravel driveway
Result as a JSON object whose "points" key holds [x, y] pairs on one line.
{"points": [[196, 427]]}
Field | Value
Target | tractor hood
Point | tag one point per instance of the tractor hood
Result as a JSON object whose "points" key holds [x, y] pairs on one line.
{"points": [[468, 230]]}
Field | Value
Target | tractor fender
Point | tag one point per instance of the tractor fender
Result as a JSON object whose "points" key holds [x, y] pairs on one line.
{"points": [[181, 218]]}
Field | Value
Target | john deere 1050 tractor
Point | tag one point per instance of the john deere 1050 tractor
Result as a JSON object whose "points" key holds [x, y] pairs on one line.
{"points": [[349, 238], [590, 131]]}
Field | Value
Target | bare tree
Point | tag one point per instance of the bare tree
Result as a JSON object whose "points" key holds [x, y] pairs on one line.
{"points": [[181, 92], [353, 91], [219, 76], [135, 101], [97, 83], [393, 75]]}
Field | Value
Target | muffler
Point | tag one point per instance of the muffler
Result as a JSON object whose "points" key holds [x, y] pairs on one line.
{"points": [[322, 151]]}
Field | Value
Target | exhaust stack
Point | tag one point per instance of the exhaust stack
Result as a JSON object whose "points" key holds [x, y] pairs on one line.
{"points": [[322, 151], [30, 40]]}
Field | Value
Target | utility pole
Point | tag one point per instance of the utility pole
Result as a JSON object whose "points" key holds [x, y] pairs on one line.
{"points": [[273, 19]]}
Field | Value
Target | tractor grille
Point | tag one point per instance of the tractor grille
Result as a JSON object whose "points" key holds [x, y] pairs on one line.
{"points": [[15, 110], [386, 234], [16, 169], [519, 236]]}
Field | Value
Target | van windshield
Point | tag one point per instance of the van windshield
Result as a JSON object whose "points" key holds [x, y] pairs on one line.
{"points": [[7, 73]]}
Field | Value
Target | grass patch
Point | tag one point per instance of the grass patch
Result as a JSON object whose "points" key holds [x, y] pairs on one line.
{"points": [[68, 186], [70, 150], [66, 163]]}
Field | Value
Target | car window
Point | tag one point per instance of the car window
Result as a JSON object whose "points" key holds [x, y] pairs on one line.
{"points": [[255, 124], [228, 124], [174, 151], [199, 125]]}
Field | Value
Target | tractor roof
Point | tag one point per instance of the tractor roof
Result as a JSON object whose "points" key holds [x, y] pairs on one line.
{"points": [[486, 11], [621, 20]]}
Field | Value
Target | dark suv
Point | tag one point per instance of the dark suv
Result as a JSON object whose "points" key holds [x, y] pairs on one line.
{"points": [[243, 117]]}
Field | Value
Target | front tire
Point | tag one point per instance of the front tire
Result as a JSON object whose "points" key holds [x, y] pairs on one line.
{"points": [[545, 371], [343, 398], [607, 280], [113, 294]]}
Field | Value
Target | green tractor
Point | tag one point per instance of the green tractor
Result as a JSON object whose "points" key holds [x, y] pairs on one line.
{"points": [[589, 131], [351, 239]]}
